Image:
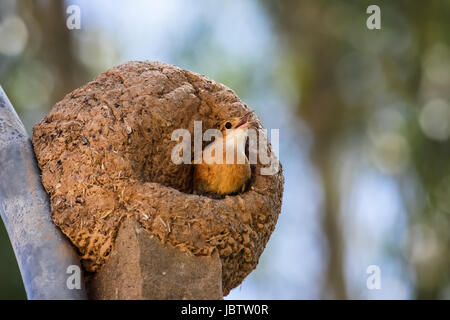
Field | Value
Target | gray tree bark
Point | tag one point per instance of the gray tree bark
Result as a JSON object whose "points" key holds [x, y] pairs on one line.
{"points": [[43, 253]]}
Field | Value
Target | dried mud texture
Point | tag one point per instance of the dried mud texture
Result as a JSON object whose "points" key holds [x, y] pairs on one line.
{"points": [[105, 154], [141, 268]]}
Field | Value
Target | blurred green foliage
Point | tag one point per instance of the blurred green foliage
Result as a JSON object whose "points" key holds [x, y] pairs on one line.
{"points": [[347, 76], [11, 286]]}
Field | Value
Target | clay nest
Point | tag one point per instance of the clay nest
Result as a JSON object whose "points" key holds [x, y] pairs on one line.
{"points": [[105, 154]]}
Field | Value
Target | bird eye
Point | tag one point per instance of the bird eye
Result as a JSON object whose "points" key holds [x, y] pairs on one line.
{"points": [[228, 125]]}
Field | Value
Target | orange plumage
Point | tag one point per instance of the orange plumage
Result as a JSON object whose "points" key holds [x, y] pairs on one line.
{"points": [[225, 178]]}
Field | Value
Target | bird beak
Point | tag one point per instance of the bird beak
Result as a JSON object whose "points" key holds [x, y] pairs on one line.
{"points": [[243, 122]]}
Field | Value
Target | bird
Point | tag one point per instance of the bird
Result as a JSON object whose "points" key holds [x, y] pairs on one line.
{"points": [[225, 178]]}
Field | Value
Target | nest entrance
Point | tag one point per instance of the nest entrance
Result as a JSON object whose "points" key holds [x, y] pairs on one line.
{"points": [[105, 151]]}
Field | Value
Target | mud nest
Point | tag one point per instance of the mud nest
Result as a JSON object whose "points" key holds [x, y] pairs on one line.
{"points": [[105, 154]]}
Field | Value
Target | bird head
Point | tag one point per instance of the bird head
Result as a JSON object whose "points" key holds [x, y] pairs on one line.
{"points": [[240, 123], [234, 131]]}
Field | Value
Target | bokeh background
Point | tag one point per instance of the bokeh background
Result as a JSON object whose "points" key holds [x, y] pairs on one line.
{"points": [[364, 121]]}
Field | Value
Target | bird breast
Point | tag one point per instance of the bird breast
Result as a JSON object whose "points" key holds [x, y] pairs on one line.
{"points": [[228, 177]]}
